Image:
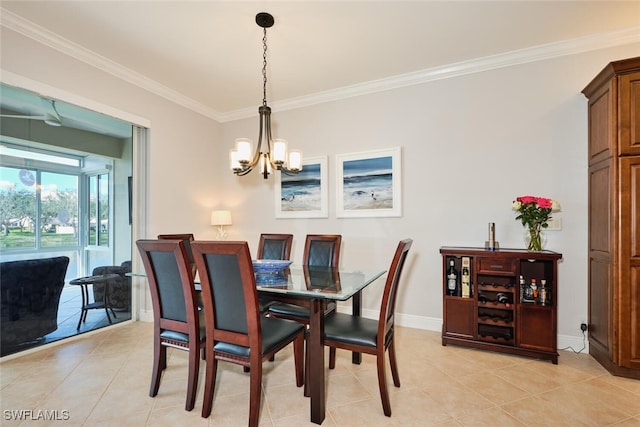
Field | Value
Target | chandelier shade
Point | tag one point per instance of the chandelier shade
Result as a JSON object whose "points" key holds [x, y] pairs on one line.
{"points": [[269, 154]]}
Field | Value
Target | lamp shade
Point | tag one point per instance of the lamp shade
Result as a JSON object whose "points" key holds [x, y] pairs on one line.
{"points": [[220, 218]]}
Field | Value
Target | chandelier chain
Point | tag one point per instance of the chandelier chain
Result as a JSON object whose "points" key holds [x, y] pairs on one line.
{"points": [[264, 68]]}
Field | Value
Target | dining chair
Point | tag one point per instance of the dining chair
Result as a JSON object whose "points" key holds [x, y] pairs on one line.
{"points": [[275, 246], [187, 238], [238, 333], [359, 334], [177, 321], [320, 250]]}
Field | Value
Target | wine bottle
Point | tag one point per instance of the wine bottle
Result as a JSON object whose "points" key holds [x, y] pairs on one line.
{"points": [[465, 280], [544, 293], [452, 280], [534, 289], [503, 299], [482, 298]]}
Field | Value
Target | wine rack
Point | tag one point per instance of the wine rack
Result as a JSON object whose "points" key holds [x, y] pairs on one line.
{"points": [[496, 284], [495, 316]]}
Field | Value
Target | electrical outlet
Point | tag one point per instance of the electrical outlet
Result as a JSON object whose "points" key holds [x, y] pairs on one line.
{"points": [[583, 327]]}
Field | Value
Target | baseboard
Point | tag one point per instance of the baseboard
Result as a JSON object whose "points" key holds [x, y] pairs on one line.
{"points": [[146, 316], [406, 320], [575, 344]]}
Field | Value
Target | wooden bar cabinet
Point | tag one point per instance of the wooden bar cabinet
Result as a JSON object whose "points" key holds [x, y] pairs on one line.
{"points": [[500, 313]]}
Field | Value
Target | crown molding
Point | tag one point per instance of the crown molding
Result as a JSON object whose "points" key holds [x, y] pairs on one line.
{"points": [[48, 38], [507, 59]]}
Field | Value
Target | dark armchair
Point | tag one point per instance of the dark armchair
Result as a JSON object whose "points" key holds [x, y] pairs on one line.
{"points": [[30, 294], [119, 289]]}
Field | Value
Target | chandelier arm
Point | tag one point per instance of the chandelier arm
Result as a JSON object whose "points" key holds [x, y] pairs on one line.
{"points": [[244, 172], [289, 172], [269, 141], [256, 155]]}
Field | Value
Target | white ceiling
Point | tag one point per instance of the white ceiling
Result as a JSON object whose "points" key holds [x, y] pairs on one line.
{"points": [[208, 54]]}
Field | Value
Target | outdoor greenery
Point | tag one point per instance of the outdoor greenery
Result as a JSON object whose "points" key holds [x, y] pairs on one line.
{"points": [[18, 209], [48, 207], [24, 239]]}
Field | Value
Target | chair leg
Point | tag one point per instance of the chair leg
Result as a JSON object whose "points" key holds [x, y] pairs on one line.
{"points": [[255, 392], [332, 357], [192, 381], [159, 364], [209, 383], [394, 365], [300, 359], [382, 383]]}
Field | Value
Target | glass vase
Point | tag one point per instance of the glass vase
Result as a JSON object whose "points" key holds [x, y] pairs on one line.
{"points": [[534, 238]]}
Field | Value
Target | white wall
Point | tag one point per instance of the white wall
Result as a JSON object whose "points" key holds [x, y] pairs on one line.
{"points": [[470, 145]]}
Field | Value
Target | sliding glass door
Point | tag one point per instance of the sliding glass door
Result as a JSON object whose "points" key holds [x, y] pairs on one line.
{"points": [[65, 191]]}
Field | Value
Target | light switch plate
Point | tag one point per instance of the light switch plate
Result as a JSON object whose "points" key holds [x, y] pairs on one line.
{"points": [[555, 224]]}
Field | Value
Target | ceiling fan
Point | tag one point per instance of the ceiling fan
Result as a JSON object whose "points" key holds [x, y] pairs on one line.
{"points": [[50, 117]]}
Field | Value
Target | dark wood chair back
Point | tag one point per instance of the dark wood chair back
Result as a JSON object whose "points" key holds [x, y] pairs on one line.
{"points": [[388, 304], [186, 238], [275, 246], [177, 321], [322, 250]]}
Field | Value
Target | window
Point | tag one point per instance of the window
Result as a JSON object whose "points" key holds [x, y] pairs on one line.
{"points": [[99, 210], [17, 208], [58, 209], [38, 209]]}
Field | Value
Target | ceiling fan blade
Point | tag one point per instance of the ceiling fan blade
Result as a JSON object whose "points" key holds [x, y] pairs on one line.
{"points": [[13, 116], [51, 118]]}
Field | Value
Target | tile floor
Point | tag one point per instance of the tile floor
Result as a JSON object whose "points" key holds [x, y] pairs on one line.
{"points": [[103, 380]]}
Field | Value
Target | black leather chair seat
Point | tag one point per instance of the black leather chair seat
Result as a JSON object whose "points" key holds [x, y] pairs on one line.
{"points": [[264, 304], [274, 332], [351, 329], [182, 337], [292, 310]]}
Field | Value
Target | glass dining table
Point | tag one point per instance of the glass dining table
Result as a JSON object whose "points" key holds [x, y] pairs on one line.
{"points": [[313, 287]]}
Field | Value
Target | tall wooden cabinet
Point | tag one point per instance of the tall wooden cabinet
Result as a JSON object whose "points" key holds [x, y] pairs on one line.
{"points": [[614, 222], [497, 314]]}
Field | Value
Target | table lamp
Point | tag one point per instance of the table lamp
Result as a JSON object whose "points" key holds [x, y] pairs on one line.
{"points": [[220, 219]]}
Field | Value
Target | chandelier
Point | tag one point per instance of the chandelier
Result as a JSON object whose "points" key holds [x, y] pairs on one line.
{"points": [[274, 155]]}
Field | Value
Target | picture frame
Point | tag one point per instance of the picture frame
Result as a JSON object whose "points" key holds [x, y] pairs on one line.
{"points": [[369, 184], [306, 194]]}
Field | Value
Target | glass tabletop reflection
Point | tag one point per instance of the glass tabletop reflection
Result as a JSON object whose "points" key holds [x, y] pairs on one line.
{"points": [[338, 284], [317, 282]]}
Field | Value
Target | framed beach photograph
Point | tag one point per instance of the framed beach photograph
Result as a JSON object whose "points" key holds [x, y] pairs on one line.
{"points": [[304, 195], [368, 184]]}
